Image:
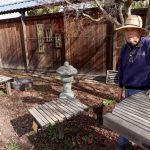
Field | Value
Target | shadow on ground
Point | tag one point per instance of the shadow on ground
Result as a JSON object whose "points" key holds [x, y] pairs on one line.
{"points": [[22, 125], [81, 132]]}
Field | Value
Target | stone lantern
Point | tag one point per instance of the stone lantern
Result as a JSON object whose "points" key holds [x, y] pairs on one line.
{"points": [[67, 73]]}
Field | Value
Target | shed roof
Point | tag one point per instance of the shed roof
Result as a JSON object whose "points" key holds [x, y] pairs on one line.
{"points": [[16, 5]]}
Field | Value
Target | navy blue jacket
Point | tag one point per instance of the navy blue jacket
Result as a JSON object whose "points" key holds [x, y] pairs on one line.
{"points": [[134, 67]]}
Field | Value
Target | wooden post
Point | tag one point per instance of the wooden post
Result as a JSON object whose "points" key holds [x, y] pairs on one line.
{"points": [[8, 88], [66, 41], [61, 130], [98, 109], [24, 42]]}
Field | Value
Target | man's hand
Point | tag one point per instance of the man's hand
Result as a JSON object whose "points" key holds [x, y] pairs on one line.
{"points": [[120, 93], [148, 93]]}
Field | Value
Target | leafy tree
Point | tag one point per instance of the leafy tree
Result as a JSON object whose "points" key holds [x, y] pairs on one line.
{"points": [[140, 4], [45, 10]]}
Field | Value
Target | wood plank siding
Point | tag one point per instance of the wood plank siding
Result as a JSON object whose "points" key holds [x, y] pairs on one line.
{"points": [[49, 57], [50, 39], [11, 43], [88, 44]]}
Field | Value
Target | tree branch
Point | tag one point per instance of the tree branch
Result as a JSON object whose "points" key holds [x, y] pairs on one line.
{"points": [[91, 18], [147, 24], [121, 5], [105, 14], [128, 4]]}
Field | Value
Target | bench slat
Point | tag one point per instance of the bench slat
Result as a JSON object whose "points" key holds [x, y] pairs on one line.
{"points": [[46, 118], [143, 123], [77, 103], [37, 117], [4, 79], [127, 129], [68, 109], [71, 105], [48, 114], [137, 103], [58, 110], [131, 120], [64, 109], [40, 114], [135, 107], [132, 115], [140, 101], [141, 96], [53, 113], [134, 111]]}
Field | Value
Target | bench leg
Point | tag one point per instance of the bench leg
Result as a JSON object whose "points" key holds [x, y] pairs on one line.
{"points": [[98, 109], [35, 126], [8, 88], [61, 130]]}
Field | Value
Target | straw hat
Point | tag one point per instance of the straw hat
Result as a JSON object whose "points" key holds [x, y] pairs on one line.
{"points": [[134, 21]]}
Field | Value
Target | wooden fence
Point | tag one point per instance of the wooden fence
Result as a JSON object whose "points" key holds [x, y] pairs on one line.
{"points": [[51, 39]]}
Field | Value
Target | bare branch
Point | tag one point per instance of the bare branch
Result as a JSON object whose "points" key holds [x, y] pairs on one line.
{"points": [[121, 5], [91, 18], [147, 24], [106, 15], [128, 4], [71, 5]]}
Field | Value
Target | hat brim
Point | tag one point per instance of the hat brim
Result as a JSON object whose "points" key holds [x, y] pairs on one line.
{"points": [[143, 30]]}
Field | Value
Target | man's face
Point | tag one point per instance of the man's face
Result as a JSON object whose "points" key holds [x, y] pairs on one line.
{"points": [[132, 35]]}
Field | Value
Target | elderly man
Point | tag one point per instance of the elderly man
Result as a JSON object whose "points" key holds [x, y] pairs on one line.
{"points": [[134, 63]]}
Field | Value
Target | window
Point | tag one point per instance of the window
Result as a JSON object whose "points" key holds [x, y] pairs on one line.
{"points": [[58, 40], [40, 36], [48, 35]]}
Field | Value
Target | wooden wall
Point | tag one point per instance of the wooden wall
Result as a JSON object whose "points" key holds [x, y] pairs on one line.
{"points": [[11, 43], [10, 46], [51, 57], [88, 44], [91, 47]]}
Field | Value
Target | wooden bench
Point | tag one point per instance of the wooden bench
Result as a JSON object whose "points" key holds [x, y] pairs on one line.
{"points": [[131, 118], [4, 80], [112, 77], [55, 112]]}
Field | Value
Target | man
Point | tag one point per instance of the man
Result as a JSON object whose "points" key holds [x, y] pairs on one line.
{"points": [[134, 63]]}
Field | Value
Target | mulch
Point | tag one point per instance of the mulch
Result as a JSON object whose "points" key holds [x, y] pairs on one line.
{"points": [[81, 132]]}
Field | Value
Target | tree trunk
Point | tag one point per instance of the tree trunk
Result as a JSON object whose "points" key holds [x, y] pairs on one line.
{"points": [[147, 24]]}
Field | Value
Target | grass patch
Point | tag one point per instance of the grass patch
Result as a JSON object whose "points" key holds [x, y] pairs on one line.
{"points": [[108, 102], [12, 145]]}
